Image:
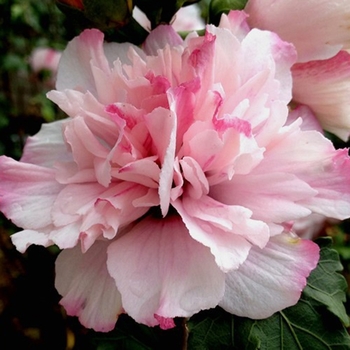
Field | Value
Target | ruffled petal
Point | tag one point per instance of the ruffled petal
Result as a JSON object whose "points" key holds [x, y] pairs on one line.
{"points": [[228, 231]]}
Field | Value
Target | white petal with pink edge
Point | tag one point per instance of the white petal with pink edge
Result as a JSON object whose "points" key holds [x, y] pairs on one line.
{"points": [[88, 290], [280, 271]]}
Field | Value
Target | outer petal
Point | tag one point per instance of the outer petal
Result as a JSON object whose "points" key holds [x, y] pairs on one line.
{"points": [[88, 290], [160, 270], [27, 193], [279, 270], [23, 239], [317, 28], [325, 87]]}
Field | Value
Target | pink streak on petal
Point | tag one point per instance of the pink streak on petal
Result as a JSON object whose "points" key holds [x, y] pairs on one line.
{"points": [[242, 126], [165, 322]]}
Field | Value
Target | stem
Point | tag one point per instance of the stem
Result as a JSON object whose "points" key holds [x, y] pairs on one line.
{"points": [[185, 334]]}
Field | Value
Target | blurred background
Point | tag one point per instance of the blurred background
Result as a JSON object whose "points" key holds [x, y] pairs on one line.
{"points": [[32, 33]]}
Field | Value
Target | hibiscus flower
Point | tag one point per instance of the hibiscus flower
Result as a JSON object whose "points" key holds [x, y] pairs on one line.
{"points": [[171, 185]]}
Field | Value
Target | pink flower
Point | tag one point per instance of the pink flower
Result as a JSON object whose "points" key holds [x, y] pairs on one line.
{"points": [[171, 184], [44, 58], [317, 28]]}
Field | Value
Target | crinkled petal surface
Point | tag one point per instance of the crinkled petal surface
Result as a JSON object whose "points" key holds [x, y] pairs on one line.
{"points": [[271, 279]]}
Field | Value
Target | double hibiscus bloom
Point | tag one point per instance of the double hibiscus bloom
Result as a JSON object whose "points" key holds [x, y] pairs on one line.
{"points": [[174, 183]]}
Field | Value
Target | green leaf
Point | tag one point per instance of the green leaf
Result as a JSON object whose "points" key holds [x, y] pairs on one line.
{"points": [[301, 327], [313, 323], [131, 335], [325, 284], [216, 329], [108, 13]]}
